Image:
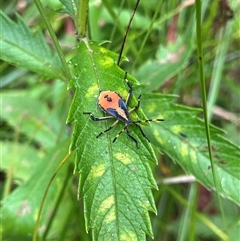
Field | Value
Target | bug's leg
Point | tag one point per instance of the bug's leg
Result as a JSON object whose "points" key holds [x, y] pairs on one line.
{"points": [[133, 139], [148, 120], [137, 106], [130, 89], [130, 94], [127, 131], [97, 118], [142, 121], [108, 128], [119, 133], [143, 134]]}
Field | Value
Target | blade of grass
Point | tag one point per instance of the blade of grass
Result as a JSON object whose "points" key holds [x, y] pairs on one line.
{"points": [[54, 38], [218, 66], [60, 198], [147, 34], [202, 217], [115, 25], [203, 94], [187, 216], [114, 16]]}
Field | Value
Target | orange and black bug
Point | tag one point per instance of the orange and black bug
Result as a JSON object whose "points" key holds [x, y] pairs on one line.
{"points": [[113, 104]]}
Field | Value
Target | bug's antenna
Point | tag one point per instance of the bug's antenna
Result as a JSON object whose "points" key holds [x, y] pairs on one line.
{"points": [[126, 33]]}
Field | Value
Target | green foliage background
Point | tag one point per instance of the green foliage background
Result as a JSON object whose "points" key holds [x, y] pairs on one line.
{"points": [[116, 179]]}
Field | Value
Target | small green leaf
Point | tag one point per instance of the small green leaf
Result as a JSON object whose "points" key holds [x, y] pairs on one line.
{"points": [[25, 49], [70, 7], [115, 178]]}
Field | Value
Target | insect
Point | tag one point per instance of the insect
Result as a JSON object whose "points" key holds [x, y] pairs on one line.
{"points": [[113, 104]]}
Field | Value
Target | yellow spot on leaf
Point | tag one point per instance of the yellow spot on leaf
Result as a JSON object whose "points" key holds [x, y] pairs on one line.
{"points": [[128, 235], [157, 136], [98, 171], [103, 50], [152, 108], [184, 150], [193, 156], [91, 91], [106, 62], [177, 129], [111, 216], [124, 158], [106, 205]]}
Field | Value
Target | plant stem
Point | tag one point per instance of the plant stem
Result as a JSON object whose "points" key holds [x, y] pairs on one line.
{"points": [[82, 16]]}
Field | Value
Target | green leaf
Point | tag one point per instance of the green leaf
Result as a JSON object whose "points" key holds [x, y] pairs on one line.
{"points": [[19, 209], [115, 178], [70, 7], [183, 138], [25, 49]]}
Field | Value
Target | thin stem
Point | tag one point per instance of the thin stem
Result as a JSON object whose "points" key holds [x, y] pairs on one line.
{"points": [[204, 98], [126, 33], [35, 233]]}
